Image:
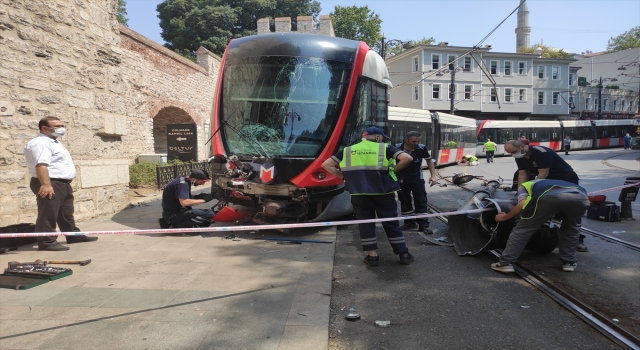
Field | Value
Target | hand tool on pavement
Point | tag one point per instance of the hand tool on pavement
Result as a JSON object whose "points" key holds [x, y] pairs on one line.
{"points": [[40, 262]]}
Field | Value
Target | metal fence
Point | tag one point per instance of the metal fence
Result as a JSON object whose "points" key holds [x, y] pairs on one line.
{"points": [[166, 173]]}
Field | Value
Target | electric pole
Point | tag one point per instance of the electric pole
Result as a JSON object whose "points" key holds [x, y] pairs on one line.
{"points": [[452, 88], [600, 99]]}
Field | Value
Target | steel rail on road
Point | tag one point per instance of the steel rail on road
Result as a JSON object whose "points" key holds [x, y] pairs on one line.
{"points": [[606, 162], [595, 319]]}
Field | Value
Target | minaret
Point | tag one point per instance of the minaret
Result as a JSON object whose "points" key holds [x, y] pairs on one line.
{"points": [[523, 29]]}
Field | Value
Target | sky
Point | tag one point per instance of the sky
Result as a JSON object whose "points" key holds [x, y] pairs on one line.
{"points": [[573, 25]]}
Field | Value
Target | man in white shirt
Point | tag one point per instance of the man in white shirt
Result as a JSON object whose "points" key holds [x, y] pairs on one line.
{"points": [[52, 170]]}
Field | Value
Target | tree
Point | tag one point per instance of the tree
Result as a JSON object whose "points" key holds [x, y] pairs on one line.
{"points": [[626, 40], [122, 13], [357, 23], [397, 47], [189, 24], [547, 52]]}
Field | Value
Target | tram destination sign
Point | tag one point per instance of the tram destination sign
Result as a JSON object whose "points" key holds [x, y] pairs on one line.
{"points": [[182, 142]]}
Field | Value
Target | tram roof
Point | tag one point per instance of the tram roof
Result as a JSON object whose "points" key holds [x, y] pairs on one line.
{"points": [[521, 124], [613, 122], [409, 114], [574, 123]]}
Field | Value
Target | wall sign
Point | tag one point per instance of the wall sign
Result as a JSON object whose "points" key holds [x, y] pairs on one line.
{"points": [[182, 142]]}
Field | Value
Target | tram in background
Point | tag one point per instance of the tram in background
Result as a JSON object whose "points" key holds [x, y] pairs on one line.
{"points": [[447, 137], [584, 134], [284, 103]]}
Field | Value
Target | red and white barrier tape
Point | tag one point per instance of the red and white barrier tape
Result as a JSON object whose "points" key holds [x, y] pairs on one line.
{"points": [[235, 228], [614, 188]]}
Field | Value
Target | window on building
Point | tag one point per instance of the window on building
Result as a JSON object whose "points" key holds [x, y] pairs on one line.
{"points": [[508, 94], [522, 68], [435, 91], [587, 103], [555, 98], [540, 72], [615, 105], [507, 67], [540, 97], [468, 92], [435, 61], [605, 104], [452, 91], [450, 59], [467, 63], [493, 95], [555, 72], [623, 105], [494, 67], [632, 107], [416, 64], [416, 93], [522, 95], [572, 79], [571, 102]]}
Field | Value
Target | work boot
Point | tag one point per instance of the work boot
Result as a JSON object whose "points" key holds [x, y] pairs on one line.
{"points": [[55, 247], [411, 225], [163, 223], [372, 260], [406, 258], [425, 229], [80, 239], [582, 248]]}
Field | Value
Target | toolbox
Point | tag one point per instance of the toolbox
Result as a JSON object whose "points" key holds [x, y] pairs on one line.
{"points": [[7, 244], [20, 282], [605, 211]]}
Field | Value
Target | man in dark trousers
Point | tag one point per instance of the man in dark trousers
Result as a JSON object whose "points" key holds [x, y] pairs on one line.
{"points": [[367, 168], [177, 202], [52, 170], [549, 164], [412, 182], [539, 201]]}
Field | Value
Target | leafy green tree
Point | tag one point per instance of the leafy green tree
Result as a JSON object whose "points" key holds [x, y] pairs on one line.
{"points": [[357, 23], [189, 24], [626, 40], [547, 52], [122, 13], [396, 47]]}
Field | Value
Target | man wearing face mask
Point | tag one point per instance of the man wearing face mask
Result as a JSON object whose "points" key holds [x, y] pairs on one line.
{"points": [[177, 201], [52, 170], [549, 164]]}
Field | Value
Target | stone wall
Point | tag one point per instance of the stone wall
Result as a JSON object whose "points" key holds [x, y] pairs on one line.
{"points": [[71, 59]]}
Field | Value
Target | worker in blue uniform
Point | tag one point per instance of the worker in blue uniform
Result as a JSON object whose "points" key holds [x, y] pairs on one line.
{"points": [[177, 201], [368, 170], [549, 164], [538, 202], [412, 182]]}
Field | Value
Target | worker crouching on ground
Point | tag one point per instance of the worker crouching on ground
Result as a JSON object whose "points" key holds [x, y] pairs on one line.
{"points": [[468, 160], [177, 202], [367, 168], [412, 182], [538, 202]]}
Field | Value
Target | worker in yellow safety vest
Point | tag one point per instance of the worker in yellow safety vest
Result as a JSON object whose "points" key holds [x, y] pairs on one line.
{"points": [[368, 171], [489, 149]]}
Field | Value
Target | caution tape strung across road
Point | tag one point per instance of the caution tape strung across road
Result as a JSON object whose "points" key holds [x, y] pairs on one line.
{"points": [[261, 227], [235, 228]]}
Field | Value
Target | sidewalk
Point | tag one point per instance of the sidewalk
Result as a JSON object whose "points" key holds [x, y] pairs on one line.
{"points": [[167, 292]]}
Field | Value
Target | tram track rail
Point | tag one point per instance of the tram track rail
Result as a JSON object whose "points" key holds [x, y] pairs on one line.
{"points": [[605, 161], [602, 323]]}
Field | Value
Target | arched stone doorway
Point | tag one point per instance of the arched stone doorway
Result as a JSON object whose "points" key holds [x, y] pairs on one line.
{"points": [[167, 115]]}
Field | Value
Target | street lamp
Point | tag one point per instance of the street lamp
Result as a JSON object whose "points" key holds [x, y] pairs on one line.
{"points": [[405, 44]]}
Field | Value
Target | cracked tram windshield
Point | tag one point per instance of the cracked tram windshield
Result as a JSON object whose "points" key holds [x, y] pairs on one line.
{"points": [[281, 106]]}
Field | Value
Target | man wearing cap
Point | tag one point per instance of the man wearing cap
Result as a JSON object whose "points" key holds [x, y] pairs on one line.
{"points": [[177, 202], [548, 163], [52, 171], [412, 182], [368, 170]]}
